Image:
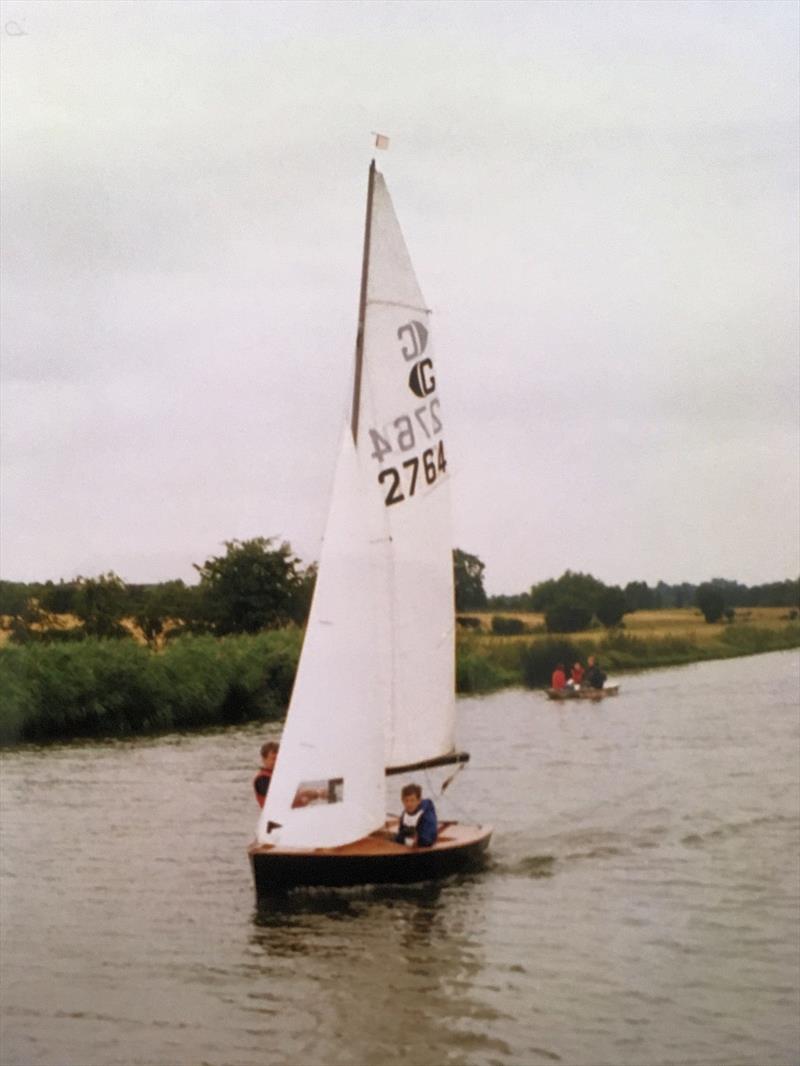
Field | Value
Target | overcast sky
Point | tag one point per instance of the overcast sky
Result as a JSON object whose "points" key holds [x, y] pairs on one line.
{"points": [[601, 203]]}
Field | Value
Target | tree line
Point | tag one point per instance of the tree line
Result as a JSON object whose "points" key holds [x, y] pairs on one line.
{"points": [[256, 585], [640, 596], [260, 584], [572, 602]]}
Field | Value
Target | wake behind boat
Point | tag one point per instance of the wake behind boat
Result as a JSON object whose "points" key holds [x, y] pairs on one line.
{"points": [[374, 692]]}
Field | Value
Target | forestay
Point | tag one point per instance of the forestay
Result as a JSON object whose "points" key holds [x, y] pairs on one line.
{"points": [[375, 683]]}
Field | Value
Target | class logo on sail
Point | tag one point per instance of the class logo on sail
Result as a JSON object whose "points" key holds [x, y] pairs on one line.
{"points": [[414, 337]]}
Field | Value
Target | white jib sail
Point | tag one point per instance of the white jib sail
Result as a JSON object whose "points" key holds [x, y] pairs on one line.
{"points": [[328, 784], [375, 683]]}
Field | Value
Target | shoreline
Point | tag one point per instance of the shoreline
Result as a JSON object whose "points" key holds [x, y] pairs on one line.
{"points": [[482, 671], [648, 639], [92, 689]]}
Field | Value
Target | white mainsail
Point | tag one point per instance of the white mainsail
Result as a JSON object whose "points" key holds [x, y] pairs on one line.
{"points": [[375, 683], [401, 405]]}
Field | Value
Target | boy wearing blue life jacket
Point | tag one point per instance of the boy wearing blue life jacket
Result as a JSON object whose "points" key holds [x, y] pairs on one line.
{"points": [[418, 825]]}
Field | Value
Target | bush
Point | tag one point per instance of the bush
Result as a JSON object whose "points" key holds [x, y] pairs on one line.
{"points": [[478, 673], [539, 660], [568, 616], [620, 651], [611, 606], [752, 639], [107, 687], [507, 627], [468, 621], [711, 601]]}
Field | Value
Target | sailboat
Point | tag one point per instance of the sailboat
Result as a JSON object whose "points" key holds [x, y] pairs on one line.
{"points": [[374, 693]]}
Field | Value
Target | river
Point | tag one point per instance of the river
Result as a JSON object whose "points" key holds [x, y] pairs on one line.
{"points": [[642, 905]]}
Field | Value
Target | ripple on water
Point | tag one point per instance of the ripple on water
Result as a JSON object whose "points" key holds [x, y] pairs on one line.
{"points": [[641, 905]]}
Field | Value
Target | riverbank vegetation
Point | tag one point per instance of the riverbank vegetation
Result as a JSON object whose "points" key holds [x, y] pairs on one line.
{"points": [[100, 657], [102, 687], [118, 687], [647, 639]]}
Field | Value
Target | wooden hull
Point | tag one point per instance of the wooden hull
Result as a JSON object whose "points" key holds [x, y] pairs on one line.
{"points": [[376, 859], [582, 694]]}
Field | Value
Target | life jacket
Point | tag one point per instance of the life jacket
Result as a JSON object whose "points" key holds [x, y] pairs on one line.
{"points": [[261, 785], [409, 822], [421, 826]]}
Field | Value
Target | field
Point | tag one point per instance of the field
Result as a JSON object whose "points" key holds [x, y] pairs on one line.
{"points": [[683, 622], [66, 622]]}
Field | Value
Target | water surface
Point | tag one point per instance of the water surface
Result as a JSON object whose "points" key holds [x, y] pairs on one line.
{"points": [[641, 906]]}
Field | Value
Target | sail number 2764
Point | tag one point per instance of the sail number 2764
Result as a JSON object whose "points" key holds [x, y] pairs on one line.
{"points": [[402, 434], [433, 463], [405, 434]]}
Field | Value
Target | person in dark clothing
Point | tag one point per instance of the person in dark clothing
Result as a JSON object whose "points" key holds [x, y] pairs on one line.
{"points": [[594, 676], [418, 824], [269, 753]]}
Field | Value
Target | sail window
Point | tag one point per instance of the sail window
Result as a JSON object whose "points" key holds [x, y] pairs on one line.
{"points": [[313, 793]]}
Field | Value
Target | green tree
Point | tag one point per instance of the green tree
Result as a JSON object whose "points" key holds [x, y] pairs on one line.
{"points": [[14, 597], [253, 586], [639, 596], [303, 594], [520, 601], [165, 608], [573, 587], [567, 615], [60, 598], [468, 579], [710, 600], [28, 622], [611, 606], [775, 594], [100, 603]]}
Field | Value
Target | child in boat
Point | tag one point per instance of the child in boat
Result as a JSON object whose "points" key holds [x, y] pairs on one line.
{"points": [[269, 753], [418, 824], [559, 678], [576, 674]]}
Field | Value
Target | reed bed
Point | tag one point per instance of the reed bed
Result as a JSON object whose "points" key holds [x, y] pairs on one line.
{"points": [[117, 687]]}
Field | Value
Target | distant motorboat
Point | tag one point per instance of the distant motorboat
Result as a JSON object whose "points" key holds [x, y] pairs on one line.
{"points": [[585, 693]]}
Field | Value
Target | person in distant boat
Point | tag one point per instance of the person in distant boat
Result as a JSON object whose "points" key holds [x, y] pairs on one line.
{"points": [[559, 678], [269, 753], [576, 674], [418, 824], [595, 678]]}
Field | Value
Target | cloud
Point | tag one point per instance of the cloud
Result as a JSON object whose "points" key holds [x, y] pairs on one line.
{"points": [[601, 204]]}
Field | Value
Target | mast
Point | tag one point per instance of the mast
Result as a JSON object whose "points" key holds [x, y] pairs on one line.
{"points": [[362, 306]]}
